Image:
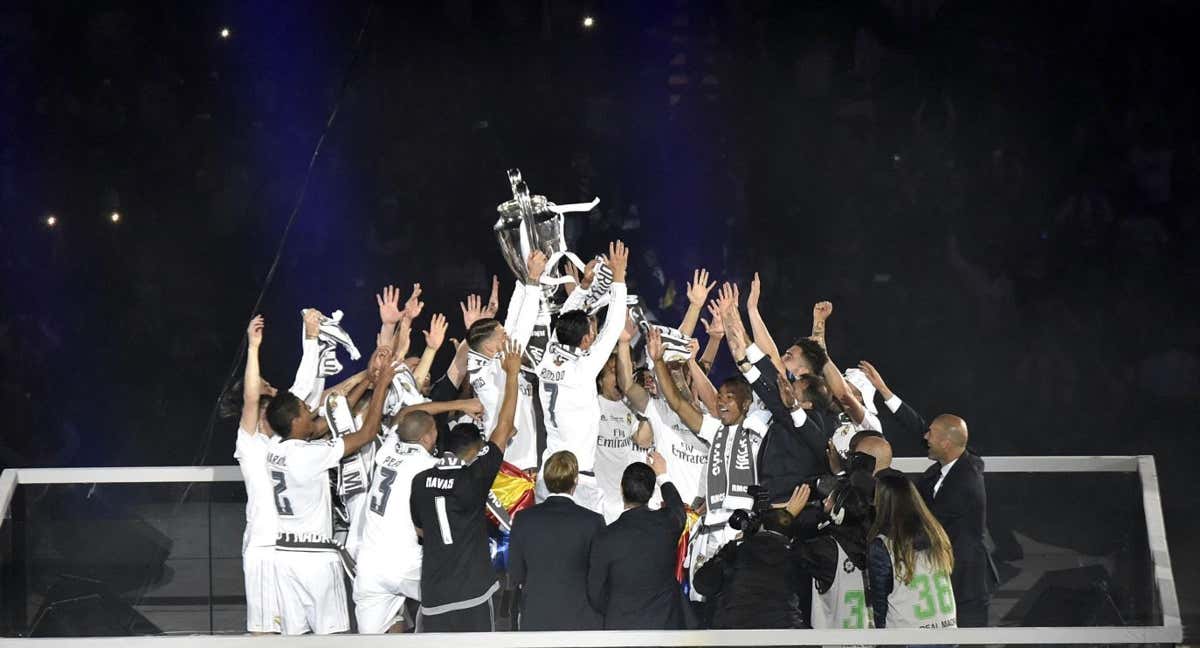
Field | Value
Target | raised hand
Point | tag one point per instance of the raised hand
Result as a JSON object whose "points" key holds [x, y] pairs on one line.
{"points": [[657, 463], [698, 288], [387, 371], [412, 307], [798, 500], [472, 311], [654, 344], [618, 258], [727, 298], [877, 380], [510, 361], [312, 322], [752, 297], [437, 331], [493, 304], [628, 331], [822, 310], [254, 332], [714, 327], [535, 265], [381, 357], [787, 393], [693, 348], [389, 305], [589, 273]]}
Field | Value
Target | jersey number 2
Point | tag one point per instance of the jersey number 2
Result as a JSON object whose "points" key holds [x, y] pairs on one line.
{"points": [[282, 505], [379, 504]]}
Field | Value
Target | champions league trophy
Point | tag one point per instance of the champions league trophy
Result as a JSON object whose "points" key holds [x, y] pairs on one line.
{"points": [[530, 222]]}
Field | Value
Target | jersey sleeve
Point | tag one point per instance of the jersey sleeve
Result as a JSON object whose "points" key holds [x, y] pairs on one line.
{"points": [[610, 333], [709, 428], [414, 499], [310, 459], [484, 469], [526, 318], [514, 306], [307, 386]]}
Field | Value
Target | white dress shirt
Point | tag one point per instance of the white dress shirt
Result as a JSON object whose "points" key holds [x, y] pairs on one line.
{"points": [[945, 471]]}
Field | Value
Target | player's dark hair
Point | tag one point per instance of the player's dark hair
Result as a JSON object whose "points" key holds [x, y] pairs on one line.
{"points": [[480, 332], [777, 519], [572, 327], [814, 390], [281, 411], [637, 483], [460, 438], [813, 353], [740, 388], [230, 405], [414, 425]]}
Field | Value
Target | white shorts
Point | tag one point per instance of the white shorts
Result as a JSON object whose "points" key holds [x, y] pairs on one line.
{"points": [[312, 592], [587, 492], [378, 598], [262, 596]]}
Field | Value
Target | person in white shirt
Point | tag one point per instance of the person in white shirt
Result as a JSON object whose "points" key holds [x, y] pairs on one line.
{"points": [[567, 373], [389, 562], [308, 566], [486, 339], [624, 438], [688, 452], [733, 441]]}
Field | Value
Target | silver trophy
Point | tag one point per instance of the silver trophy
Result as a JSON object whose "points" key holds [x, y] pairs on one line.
{"points": [[530, 222]]}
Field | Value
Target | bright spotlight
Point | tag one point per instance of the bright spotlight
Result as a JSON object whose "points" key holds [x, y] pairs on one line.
{"points": [[115, 217], [225, 33], [51, 220], [589, 22]]}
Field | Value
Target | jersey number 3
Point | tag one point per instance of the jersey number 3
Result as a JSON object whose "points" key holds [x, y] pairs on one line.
{"points": [[282, 505], [379, 503]]}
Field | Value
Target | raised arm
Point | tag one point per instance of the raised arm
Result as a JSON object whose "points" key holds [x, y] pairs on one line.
{"points": [[762, 336], [821, 312], [372, 419], [687, 412], [716, 332], [433, 341], [638, 398], [614, 319], [505, 421], [433, 408], [530, 302], [702, 387], [307, 383], [697, 293], [671, 501], [252, 386]]}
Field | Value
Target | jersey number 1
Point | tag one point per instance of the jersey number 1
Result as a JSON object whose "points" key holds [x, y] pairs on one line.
{"points": [[282, 505]]}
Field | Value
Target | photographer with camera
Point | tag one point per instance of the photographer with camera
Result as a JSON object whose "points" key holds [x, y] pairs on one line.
{"points": [[754, 580]]}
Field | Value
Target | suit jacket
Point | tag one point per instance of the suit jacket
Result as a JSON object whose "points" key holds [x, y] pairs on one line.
{"points": [[548, 558], [961, 507], [631, 577], [789, 454]]}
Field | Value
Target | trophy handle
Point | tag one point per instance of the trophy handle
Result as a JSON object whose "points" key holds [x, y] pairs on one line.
{"points": [[514, 178]]}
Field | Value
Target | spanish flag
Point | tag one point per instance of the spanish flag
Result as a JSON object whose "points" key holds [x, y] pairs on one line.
{"points": [[682, 551], [512, 491]]}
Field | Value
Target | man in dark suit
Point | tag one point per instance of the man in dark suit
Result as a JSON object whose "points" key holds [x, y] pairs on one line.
{"points": [[793, 449], [631, 578], [548, 554], [954, 491]]}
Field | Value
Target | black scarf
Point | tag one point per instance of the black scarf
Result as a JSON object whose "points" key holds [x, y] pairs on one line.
{"points": [[729, 485]]}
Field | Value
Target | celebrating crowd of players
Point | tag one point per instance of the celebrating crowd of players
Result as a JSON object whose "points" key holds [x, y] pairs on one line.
{"points": [[777, 479]]}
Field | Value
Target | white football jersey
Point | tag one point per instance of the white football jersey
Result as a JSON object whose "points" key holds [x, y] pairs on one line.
{"points": [[686, 453], [389, 537], [486, 375], [925, 602], [844, 604], [262, 521], [568, 387], [522, 448], [300, 476], [614, 447]]}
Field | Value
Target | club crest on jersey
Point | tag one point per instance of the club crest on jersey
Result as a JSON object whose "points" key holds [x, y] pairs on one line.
{"points": [[848, 566]]}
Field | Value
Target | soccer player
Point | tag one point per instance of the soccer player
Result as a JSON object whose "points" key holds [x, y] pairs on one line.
{"points": [[568, 373], [447, 506], [389, 560], [486, 339], [312, 594], [624, 438], [258, 542]]}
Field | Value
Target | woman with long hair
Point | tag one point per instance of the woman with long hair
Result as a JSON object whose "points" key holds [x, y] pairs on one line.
{"points": [[909, 560]]}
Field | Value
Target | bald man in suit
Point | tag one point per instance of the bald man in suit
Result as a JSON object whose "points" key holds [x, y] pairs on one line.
{"points": [[954, 490]]}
